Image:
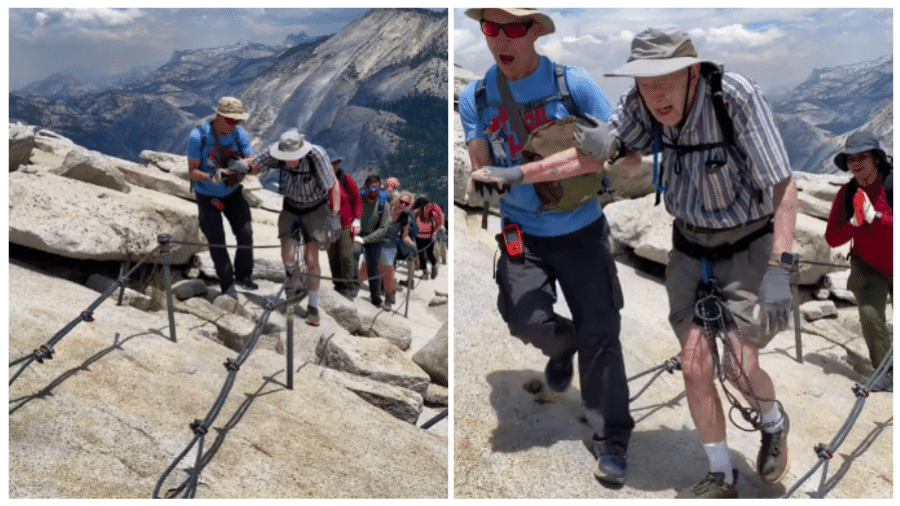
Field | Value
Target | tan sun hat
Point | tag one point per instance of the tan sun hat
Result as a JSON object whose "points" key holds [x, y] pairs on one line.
{"points": [[546, 23], [291, 146], [657, 53], [231, 107]]}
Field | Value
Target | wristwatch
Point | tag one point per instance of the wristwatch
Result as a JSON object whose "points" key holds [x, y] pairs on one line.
{"points": [[785, 260]]}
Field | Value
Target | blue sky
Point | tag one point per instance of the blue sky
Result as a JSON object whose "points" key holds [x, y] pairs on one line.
{"points": [[778, 48], [111, 41]]}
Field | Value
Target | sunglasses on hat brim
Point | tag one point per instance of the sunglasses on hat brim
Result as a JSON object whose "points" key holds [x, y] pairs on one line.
{"points": [[511, 30]]}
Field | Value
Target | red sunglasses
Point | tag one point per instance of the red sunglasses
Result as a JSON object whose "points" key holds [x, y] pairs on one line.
{"points": [[512, 30]]}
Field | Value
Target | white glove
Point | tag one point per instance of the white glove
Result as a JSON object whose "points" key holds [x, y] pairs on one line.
{"points": [[358, 240], [219, 175], [484, 194], [862, 208]]}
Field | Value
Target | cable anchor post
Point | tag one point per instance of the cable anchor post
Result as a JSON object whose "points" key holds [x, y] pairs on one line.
{"points": [[166, 257]]}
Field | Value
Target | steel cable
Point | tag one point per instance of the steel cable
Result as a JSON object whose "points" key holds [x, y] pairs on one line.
{"points": [[46, 350]]}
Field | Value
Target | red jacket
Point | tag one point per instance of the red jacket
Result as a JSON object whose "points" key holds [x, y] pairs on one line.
{"points": [[429, 225], [872, 243], [351, 203]]}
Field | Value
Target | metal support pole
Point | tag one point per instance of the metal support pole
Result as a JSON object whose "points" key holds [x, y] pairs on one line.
{"points": [[795, 303], [409, 286], [166, 257], [289, 311], [122, 270]]}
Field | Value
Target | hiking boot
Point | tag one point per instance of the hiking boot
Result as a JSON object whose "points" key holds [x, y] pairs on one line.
{"points": [[558, 373], [248, 284], [425, 273], [434, 269], [713, 486], [376, 301], [231, 292], [772, 461], [388, 302], [312, 316], [611, 469]]}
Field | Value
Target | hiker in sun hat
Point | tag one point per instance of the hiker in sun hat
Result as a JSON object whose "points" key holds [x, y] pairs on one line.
{"points": [[862, 214], [312, 200], [554, 225], [721, 168], [217, 152]]}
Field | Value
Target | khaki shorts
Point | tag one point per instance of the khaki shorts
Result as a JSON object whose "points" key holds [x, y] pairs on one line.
{"points": [[740, 277], [317, 223]]}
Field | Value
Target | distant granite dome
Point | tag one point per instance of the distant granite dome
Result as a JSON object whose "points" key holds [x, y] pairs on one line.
{"points": [[816, 116], [371, 92]]}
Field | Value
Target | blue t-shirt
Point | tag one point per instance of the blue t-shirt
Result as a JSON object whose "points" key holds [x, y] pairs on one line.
{"points": [[522, 205], [209, 162]]}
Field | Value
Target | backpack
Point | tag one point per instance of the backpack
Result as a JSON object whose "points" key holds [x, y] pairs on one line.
{"points": [[404, 251], [342, 179], [566, 194], [713, 74]]}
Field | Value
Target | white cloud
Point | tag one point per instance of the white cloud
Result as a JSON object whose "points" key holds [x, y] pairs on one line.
{"points": [[737, 34], [85, 18]]}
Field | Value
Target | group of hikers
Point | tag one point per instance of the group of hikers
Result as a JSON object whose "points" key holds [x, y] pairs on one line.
{"points": [[320, 202], [722, 171]]}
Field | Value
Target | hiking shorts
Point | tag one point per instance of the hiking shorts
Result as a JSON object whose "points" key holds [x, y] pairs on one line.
{"points": [[739, 276], [315, 222], [388, 254]]}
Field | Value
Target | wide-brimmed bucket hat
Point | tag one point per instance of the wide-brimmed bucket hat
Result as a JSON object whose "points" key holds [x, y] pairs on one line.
{"points": [[231, 107], [291, 146], [859, 142], [657, 52], [547, 26]]}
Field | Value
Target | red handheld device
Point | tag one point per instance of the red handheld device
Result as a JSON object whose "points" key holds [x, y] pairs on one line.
{"points": [[512, 239]]}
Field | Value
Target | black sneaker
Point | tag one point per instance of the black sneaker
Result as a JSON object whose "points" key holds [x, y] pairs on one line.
{"points": [[772, 461], [434, 271], [611, 469], [248, 284], [558, 373], [713, 486]]}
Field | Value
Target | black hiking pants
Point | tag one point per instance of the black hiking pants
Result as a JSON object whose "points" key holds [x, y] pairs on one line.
{"points": [[583, 265], [237, 211]]}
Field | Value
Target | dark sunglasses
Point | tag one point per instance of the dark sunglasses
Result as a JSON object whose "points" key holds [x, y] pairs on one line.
{"points": [[512, 30], [405, 203]]}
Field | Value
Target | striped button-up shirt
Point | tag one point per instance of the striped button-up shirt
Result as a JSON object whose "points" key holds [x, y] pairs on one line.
{"points": [[720, 187], [306, 186]]}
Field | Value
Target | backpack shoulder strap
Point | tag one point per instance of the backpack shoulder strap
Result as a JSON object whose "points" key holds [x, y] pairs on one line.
{"points": [[564, 93]]}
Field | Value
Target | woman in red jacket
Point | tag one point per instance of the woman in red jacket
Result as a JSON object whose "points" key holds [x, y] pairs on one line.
{"points": [[861, 213]]}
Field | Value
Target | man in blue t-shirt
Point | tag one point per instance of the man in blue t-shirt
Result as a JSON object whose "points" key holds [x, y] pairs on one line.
{"points": [[564, 245], [217, 153]]}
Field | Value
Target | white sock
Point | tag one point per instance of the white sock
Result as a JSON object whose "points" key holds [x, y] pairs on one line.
{"points": [[314, 299], [719, 460], [772, 421]]}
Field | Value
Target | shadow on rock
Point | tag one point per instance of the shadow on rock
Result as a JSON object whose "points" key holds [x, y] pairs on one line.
{"points": [[530, 415]]}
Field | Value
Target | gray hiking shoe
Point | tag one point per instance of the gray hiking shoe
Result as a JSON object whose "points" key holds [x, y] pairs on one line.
{"points": [[772, 461], [312, 316], [712, 486], [388, 301], [434, 271]]}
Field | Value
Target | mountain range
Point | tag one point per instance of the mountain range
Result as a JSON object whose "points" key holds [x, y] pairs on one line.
{"points": [[816, 117], [371, 92]]}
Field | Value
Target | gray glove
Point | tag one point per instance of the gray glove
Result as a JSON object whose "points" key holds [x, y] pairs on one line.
{"points": [[503, 176], [775, 299], [594, 138], [239, 165]]}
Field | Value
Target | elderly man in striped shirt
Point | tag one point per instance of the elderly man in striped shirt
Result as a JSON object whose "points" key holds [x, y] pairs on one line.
{"points": [[726, 179], [307, 179]]}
